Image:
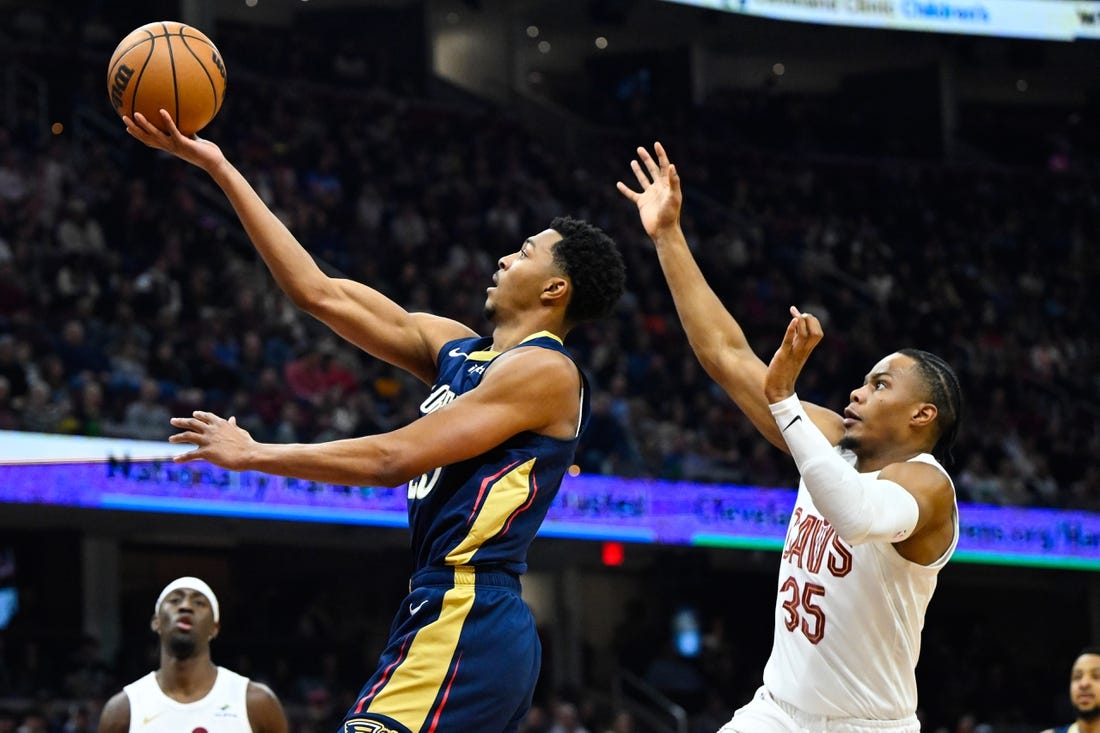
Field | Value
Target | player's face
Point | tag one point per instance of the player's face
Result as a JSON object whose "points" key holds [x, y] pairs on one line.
{"points": [[1084, 686], [185, 621], [521, 275], [882, 407]]}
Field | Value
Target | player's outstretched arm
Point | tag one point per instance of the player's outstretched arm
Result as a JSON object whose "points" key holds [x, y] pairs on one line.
{"points": [[358, 313], [265, 713], [527, 389], [714, 334], [115, 717]]}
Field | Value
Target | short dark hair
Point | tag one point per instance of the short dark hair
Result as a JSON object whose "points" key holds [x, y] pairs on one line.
{"points": [[1092, 649], [592, 262], [945, 393]]}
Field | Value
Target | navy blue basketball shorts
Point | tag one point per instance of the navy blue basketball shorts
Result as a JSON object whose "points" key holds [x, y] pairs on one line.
{"points": [[463, 655]]}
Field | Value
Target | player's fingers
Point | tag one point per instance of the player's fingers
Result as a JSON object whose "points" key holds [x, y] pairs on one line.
{"points": [[626, 191], [674, 178], [650, 164], [813, 325], [642, 178], [149, 132], [187, 437], [140, 122], [187, 423], [789, 334], [173, 131], [191, 455], [803, 328], [662, 156]]}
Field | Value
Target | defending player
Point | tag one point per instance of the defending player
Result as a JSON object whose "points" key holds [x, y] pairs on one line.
{"points": [[497, 432], [875, 517]]}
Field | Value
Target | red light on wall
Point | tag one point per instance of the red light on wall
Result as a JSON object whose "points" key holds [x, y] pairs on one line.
{"points": [[612, 553]]}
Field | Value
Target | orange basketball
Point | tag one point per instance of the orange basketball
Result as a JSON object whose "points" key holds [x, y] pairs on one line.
{"points": [[167, 65]]}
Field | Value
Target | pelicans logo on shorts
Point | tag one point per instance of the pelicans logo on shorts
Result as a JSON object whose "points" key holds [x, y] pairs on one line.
{"points": [[359, 725]]}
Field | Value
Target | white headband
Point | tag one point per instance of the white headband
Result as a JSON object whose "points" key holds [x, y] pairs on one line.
{"points": [[193, 584]]}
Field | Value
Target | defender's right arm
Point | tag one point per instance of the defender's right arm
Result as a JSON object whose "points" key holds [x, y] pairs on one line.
{"points": [[360, 314], [714, 334]]}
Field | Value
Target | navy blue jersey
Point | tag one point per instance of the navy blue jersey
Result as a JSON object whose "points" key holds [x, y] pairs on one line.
{"points": [[485, 511], [464, 652]]}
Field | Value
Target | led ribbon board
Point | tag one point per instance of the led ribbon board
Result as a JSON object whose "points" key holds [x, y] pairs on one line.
{"points": [[140, 476], [1052, 20]]}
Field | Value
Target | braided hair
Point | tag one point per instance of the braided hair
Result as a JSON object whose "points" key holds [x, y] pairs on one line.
{"points": [[945, 393]]}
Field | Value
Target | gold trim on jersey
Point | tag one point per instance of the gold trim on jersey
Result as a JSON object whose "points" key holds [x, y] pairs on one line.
{"points": [[505, 495], [489, 354], [409, 694], [540, 334]]}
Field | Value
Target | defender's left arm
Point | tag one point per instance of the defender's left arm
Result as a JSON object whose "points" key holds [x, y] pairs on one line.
{"points": [[909, 504]]}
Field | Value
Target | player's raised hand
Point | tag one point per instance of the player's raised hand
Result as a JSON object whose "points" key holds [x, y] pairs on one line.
{"points": [[660, 197], [803, 333], [194, 149], [217, 440]]}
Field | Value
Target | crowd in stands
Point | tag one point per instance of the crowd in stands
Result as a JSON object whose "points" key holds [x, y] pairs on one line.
{"points": [[128, 292]]}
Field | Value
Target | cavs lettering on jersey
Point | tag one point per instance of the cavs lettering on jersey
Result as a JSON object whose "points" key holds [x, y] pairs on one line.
{"points": [[485, 511], [223, 710], [848, 619]]}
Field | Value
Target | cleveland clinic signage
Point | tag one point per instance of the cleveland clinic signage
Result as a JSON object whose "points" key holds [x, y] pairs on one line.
{"points": [[1052, 20]]}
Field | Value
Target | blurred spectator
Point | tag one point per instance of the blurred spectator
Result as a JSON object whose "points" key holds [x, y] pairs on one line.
{"points": [[34, 721], [13, 370], [78, 356], [146, 418], [567, 719], [41, 413], [9, 416], [79, 234], [537, 720]]}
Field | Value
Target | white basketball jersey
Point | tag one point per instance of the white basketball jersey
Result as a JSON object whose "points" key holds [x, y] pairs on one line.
{"points": [[848, 619], [223, 710]]}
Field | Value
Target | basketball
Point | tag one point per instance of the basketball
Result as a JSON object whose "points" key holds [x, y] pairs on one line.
{"points": [[171, 66]]}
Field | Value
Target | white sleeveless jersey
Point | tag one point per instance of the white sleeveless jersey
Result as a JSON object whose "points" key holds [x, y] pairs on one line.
{"points": [[223, 710], [848, 619]]}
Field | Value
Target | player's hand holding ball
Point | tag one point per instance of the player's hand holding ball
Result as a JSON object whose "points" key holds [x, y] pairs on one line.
{"points": [[167, 81], [202, 153], [167, 65]]}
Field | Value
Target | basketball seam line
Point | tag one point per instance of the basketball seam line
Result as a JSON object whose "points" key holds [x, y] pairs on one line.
{"points": [[209, 77], [152, 36]]}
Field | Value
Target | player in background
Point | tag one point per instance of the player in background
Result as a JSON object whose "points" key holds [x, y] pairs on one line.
{"points": [[1084, 693], [875, 516], [188, 692], [497, 432]]}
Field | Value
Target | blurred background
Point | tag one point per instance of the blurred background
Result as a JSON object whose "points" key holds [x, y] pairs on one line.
{"points": [[936, 189]]}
